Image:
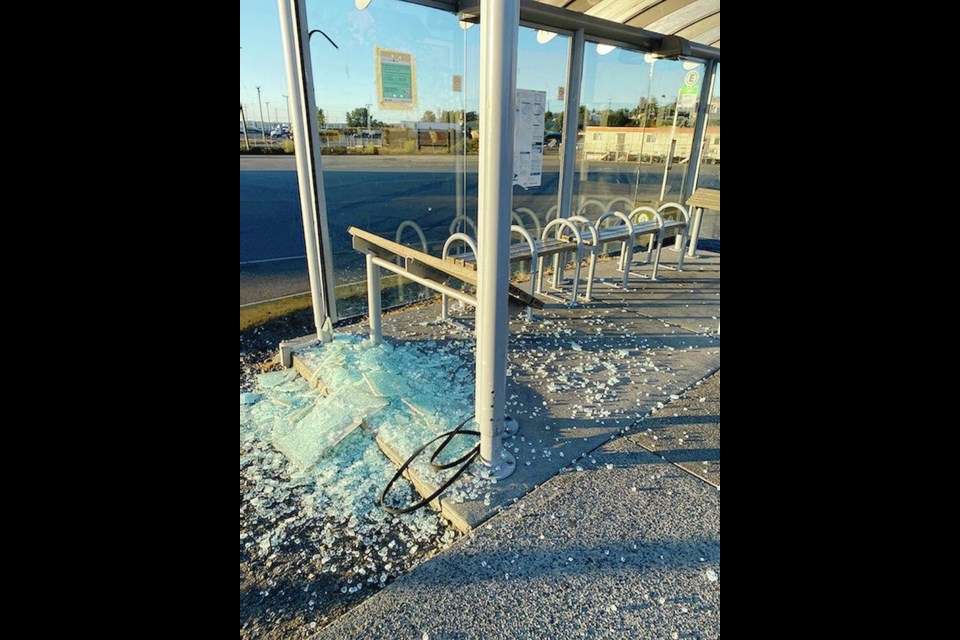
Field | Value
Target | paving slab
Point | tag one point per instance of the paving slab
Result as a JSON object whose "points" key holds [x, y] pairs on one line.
{"points": [[628, 547], [687, 431]]}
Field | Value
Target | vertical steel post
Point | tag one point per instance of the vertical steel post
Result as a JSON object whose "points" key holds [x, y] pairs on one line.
{"points": [[460, 169], [673, 146], [296, 48], [703, 113], [498, 67], [373, 299], [571, 114]]}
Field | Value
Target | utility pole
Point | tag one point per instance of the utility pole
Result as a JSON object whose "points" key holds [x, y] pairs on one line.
{"points": [[243, 116], [289, 112], [368, 105], [263, 136], [268, 109]]}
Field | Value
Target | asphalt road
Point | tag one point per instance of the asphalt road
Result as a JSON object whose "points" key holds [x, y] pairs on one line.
{"points": [[377, 193]]}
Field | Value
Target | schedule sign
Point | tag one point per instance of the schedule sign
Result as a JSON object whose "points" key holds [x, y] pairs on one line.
{"points": [[396, 79]]}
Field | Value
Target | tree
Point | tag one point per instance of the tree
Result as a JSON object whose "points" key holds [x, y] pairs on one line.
{"points": [[584, 118], [321, 119], [616, 118], [651, 113], [453, 117], [553, 121], [357, 117], [472, 116], [429, 116]]}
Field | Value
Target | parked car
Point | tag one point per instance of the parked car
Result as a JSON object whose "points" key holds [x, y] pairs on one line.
{"points": [[281, 131]]}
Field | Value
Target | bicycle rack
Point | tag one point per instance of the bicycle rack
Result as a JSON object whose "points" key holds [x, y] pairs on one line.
{"points": [[593, 253], [467, 240], [533, 261], [423, 244], [562, 222], [681, 244]]}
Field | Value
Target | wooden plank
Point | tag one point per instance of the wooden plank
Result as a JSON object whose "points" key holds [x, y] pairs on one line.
{"points": [[702, 198], [705, 198], [465, 272], [417, 268]]}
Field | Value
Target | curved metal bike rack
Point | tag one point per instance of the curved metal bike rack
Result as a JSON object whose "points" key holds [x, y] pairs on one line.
{"points": [[462, 218], [594, 249], [629, 201], [552, 213], [684, 234], [651, 214], [587, 203], [467, 240], [610, 207], [626, 253], [533, 216], [532, 243], [559, 223], [423, 244], [635, 217]]}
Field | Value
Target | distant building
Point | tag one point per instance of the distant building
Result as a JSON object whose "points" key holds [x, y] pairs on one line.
{"points": [[650, 144], [429, 126]]}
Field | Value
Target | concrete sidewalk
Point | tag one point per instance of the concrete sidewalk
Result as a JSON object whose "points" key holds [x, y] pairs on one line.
{"points": [[579, 376], [627, 545]]}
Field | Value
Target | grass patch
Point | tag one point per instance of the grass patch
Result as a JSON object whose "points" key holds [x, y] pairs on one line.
{"points": [[259, 313]]}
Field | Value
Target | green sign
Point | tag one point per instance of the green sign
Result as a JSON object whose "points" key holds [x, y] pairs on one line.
{"points": [[396, 79], [688, 97]]}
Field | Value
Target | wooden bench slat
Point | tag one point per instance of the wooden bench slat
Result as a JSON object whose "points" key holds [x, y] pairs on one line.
{"points": [[705, 198]]}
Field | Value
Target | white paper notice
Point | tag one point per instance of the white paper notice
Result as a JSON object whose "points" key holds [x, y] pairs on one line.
{"points": [[528, 138]]}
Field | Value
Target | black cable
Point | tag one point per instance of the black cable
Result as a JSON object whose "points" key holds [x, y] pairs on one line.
{"points": [[466, 459], [309, 35]]}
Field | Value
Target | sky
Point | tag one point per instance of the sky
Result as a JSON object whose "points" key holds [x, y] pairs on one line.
{"points": [[344, 78]]}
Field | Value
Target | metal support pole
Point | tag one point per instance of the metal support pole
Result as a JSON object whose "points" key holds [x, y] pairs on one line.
{"points": [[499, 25], [460, 172], [673, 146], [571, 114], [246, 140], [293, 32], [703, 113], [373, 299]]}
